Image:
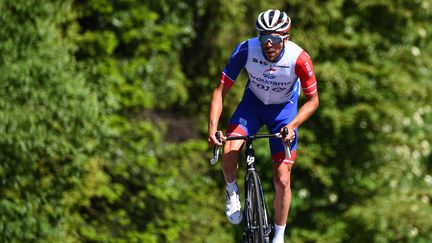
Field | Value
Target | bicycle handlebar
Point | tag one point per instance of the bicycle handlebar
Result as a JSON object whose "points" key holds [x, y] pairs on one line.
{"points": [[284, 133], [253, 137]]}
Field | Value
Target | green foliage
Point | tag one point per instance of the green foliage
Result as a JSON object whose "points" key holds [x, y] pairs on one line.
{"points": [[133, 50], [47, 121]]}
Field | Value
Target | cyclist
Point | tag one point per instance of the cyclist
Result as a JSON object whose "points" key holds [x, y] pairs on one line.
{"points": [[277, 68]]}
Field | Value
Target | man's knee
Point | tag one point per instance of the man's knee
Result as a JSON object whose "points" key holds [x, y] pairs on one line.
{"points": [[282, 182], [282, 176]]}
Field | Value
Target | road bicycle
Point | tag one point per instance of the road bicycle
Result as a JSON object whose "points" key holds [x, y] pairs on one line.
{"points": [[257, 224]]}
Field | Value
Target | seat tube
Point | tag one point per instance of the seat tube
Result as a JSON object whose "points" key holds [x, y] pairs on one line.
{"points": [[250, 155]]}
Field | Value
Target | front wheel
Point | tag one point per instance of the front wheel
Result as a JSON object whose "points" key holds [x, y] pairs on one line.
{"points": [[255, 210]]}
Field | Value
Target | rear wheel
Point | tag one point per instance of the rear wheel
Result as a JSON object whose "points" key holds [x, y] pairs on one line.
{"points": [[254, 210]]}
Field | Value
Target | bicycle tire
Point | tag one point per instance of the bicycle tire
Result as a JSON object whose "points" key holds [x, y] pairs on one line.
{"points": [[254, 209]]}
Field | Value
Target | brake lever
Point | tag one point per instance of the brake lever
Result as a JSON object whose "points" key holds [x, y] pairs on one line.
{"points": [[215, 158], [287, 145]]}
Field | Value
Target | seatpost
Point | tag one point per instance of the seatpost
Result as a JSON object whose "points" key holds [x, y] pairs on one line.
{"points": [[250, 155]]}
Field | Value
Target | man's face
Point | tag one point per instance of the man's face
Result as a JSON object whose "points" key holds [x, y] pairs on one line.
{"points": [[272, 45]]}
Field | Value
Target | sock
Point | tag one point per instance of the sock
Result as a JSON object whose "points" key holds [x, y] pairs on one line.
{"points": [[279, 233], [232, 186]]}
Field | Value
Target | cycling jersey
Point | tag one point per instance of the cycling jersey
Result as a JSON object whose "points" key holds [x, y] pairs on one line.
{"points": [[271, 82], [272, 91]]}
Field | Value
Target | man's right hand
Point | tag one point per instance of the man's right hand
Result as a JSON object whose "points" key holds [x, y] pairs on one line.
{"points": [[212, 140]]}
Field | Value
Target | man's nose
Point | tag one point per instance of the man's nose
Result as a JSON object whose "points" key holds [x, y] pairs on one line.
{"points": [[268, 43]]}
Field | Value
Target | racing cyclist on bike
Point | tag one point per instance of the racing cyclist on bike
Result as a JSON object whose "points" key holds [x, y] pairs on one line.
{"points": [[277, 69]]}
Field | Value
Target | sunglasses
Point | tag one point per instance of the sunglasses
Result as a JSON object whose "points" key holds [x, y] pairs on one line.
{"points": [[274, 39]]}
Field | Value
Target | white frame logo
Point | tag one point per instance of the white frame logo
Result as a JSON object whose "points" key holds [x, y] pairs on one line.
{"points": [[250, 159]]}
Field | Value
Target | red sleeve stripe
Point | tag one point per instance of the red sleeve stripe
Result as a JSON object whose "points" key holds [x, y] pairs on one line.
{"points": [[226, 80], [310, 86], [310, 90]]}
